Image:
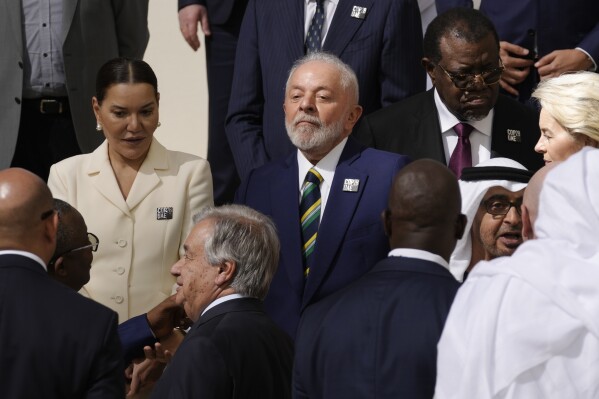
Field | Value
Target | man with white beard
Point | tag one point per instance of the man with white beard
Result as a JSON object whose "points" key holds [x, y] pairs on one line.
{"points": [[326, 198]]}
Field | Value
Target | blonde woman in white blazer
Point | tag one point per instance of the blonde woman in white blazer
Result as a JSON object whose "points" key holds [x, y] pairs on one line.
{"points": [[135, 195]]}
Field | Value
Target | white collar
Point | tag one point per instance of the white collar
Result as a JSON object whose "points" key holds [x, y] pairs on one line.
{"points": [[419, 254], [220, 300], [447, 120]]}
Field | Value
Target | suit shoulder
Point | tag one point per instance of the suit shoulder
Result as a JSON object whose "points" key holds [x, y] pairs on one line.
{"points": [[399, 108]]}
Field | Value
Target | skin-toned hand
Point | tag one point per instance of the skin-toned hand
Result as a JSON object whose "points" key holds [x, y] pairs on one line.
{"points": [[158, 353], [559, 61], [516, 69], [143, 375], [165, 316], [189, 16]]}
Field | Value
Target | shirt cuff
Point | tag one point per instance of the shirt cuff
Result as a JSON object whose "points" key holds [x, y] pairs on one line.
{"points": [[594, 67]]}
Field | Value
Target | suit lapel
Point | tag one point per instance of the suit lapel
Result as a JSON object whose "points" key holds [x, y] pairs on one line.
{"points": [[290, 19], [284, 192], [344, 26], [338, 214], [499, 143], [103, 179], [147, 179], [68, 13], [429, 129]]}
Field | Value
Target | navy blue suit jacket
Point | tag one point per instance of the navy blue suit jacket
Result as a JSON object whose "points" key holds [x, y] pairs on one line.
{"points": [[384, 49], [378, 337], [232, 351], [350, 239], [55, 343], [557, 24], [411, 127]]}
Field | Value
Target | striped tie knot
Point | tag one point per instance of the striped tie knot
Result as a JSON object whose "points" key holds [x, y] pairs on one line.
{"points": [[310, 215]]}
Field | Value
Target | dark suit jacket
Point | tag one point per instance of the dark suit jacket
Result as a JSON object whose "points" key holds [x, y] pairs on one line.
{"points": [[55, 343], [378, 337], [384, 49], [134, 334], [411, 127], [350, 237], [578, 23], [233, 351]]}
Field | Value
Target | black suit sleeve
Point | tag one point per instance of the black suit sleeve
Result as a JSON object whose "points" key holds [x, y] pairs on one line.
{"points": [[199, 372], [107, 378]]}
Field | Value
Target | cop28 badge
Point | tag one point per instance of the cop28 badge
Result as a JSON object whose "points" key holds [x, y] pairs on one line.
{"points": [[351, 185], [164, 213], [359, 12]]}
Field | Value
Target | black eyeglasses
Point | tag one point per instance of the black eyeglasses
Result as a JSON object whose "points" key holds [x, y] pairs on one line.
{"points": [[498, 206], [465, 80], [93, 244]]}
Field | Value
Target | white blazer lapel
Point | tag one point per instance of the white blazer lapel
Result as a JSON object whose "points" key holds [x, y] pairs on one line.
{"points": [[147, 179], [103, 179]]}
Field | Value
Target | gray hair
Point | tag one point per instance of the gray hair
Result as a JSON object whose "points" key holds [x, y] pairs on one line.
{"points": [[347, 77], [246, 237], [572, 99]]}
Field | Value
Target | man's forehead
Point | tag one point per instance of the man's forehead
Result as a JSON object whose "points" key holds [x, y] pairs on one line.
{"points": [[503, 192]]}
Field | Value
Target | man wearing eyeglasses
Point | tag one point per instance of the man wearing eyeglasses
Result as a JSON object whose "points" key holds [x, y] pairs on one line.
{"points": [[492, 195], [73, 257], [463, 120]]}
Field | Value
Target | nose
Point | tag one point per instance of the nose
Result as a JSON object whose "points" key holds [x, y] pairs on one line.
{"points": [[513, 217], [133, 124], [176, 268], [307, 104], [540, 146]]}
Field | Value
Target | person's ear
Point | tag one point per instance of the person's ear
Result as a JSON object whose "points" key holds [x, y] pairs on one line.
{"points": [[226, 272], [59, 267], [429, 66], [460, 226], [96, 108]]}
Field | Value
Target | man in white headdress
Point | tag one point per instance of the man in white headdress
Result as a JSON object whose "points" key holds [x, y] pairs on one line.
{"points": [[527, 326], [491, 198]]}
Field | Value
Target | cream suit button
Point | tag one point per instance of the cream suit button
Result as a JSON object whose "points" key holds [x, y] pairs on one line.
{"points": [[118, 299], [120, 270], [122, 243]]}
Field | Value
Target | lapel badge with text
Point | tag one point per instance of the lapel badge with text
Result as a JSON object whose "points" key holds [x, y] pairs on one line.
{"points": [[359, 12], [514, 135], [351, 185], [164, 213]]}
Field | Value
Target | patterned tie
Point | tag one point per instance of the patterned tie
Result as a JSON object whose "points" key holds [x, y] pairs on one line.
{"points": [[310, 216], [314, 37], [462, 154]]}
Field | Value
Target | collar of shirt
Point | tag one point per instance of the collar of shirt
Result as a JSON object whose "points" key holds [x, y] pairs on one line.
{"points": [[480, 138], [419, 254], [329, 11], [220, 300], [326, 167], [25, 254]]}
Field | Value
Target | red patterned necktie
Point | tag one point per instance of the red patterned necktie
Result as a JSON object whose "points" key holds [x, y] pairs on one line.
{"points": [[462, 154]]}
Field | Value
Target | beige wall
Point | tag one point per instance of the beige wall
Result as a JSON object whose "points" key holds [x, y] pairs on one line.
{"points": [[181, 82]]}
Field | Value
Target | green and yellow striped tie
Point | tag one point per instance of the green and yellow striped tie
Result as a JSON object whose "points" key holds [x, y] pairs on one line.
{"points": [[310, 216]]}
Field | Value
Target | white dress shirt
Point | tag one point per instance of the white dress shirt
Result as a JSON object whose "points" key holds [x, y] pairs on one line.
{"points": [[480, 138], [326, 167]]}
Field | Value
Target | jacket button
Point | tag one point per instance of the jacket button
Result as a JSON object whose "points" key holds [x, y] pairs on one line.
{"points": [[118, 299], [21, 64], [122, 243], [17, 100], [120, 270]]}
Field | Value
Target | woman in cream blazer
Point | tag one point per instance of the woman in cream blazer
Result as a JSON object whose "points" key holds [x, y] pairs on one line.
{"points": [[135, 195]]}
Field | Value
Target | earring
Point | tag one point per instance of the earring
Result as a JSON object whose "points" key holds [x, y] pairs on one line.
{"points": [[158, 125], [98, 127]]}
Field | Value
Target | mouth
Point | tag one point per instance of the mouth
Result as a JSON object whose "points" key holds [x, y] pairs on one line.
{"points": [[510, 240], [134, 140], [476, 101]]}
